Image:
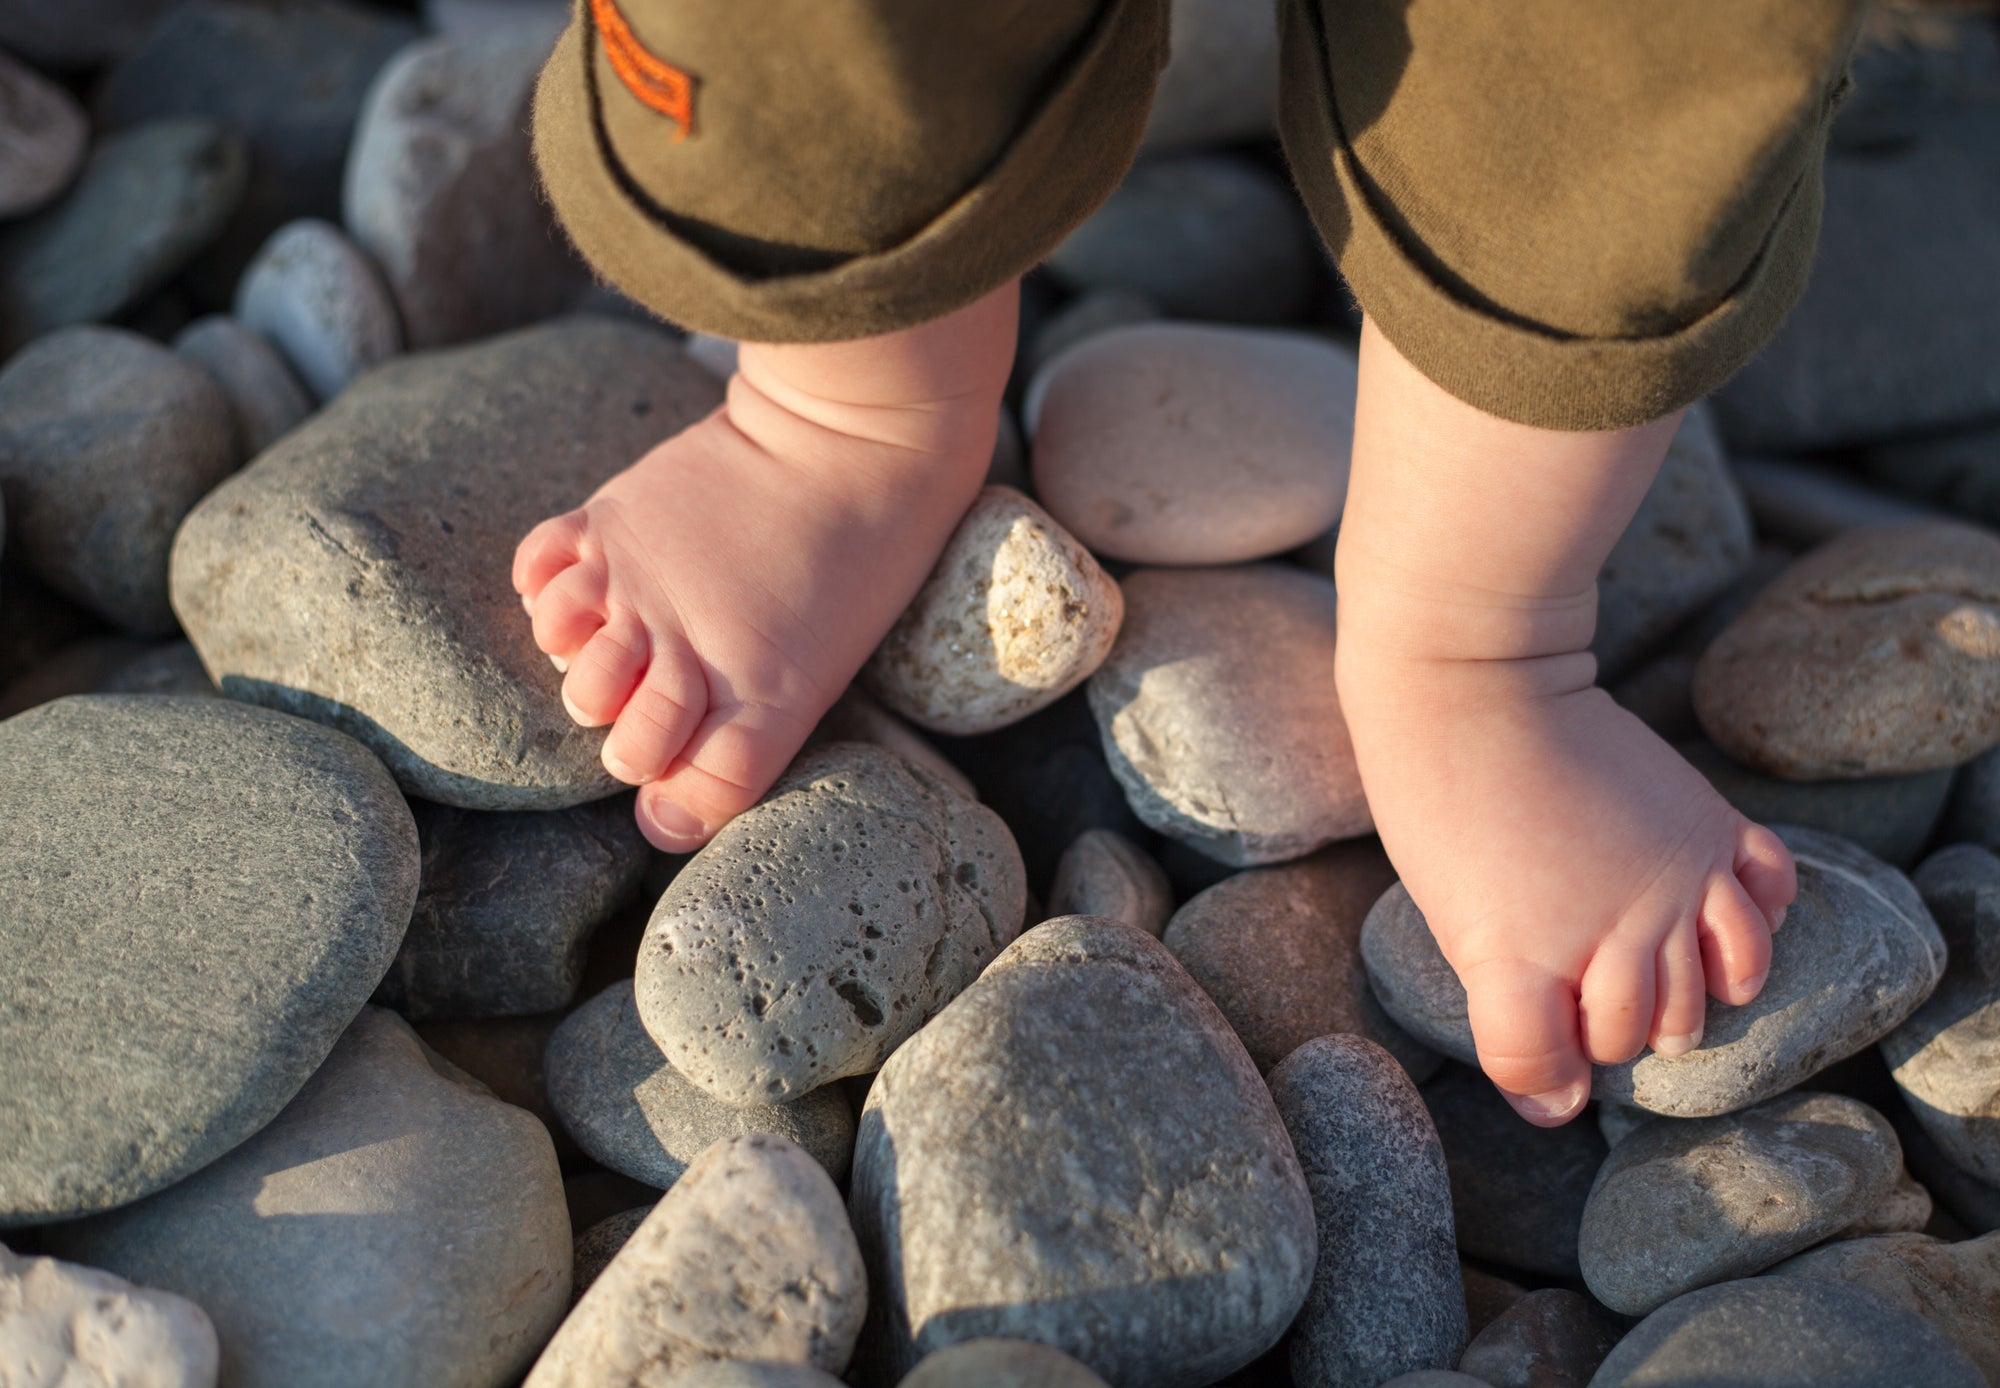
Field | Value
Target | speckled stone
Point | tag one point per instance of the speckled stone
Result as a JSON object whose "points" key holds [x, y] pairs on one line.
{"points": [[265, 398], [1105, 874], [1784, 1332], [1173, 443], [1386, 1296], [65, 1326], [1857, 955], [1877, 654], [322, 302], [1279, 950], [596, 1246], [1946, 1057], [1954, 1286], [857, 716], [107, 441], [1000, 1364], [43, 135], [140, 1048], [1893, 817], [822, 927], [1552, 1338], [1085, 1091], [749, 1256], [395, 1225], [630, 1110], [357, 573], [1689, 1204], [1219, 716], [1015, 614]]}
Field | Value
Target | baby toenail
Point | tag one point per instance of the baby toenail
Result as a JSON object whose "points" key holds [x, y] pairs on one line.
{"points": [[1753, 985], [618, 768], [675, 821], [1678, 1045], [1557, 1103], [562, 666], [1778, 917]]}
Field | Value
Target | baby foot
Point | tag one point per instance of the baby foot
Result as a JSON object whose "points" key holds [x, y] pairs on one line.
{"points": [[711, 602]]}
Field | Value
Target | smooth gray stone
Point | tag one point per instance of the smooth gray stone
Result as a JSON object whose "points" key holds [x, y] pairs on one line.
{"points": [[1973, 814], [1386, 1295], [86, 34], [65, 1326], [1085, 1120], [1957, 471], [1518, 1191], [599, 1244], [1103, 873], [395, 1225], [1278, 949], [1220, 84], [147, 201], [1906, 1208], [441, 191], [1688, 542], [1204, 236], [1959, 1198], [1803, 506], [1954, 1286], [1946, 1057], [321, 301], [1000, 1364], [505, 1055], [1687, 1204], [265, 398], [107, 441], [357, 573], [749, 1256], [200, 897], [1660, 693], [617, 1096], [1893, 817], [823, 926], [1784, 1332], [1858, 953], [508, 905], [43, 136], [1552, 1338]]}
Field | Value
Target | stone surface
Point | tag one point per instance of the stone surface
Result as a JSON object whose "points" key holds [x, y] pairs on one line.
{"points": [[822, 927], [1552, 1338], [1689, 1204], [1954, 1286], [85, 34], [106, 442], [1893, 817], [441, 191], [1660, 693], [1906, 1208], [43, 136], [321, 301], [1946, 1057], [1876, 654], [1219, 715], [356, 573], [629, 1109], [1436, 1378], [1203, 236], [79, 669], [1014, 615], [1105, 874], [1386, 1296], [739, 1373], [171, 668], [1857, 955], [1078, 1151], [1487, 1296], [1689, 541], [1518, 1191], [997, 1363], [1972, 815], [505, 1055], [1083, 317], [147, 200], [1220, 83], [749, 1256], [596, 1246], [857, 716], [1805, 506], [200, 896], [1279, 950], [1175, 443], [65, 1326], [395, 1225], [508, 904], [265, 398], [1784, 1332]]}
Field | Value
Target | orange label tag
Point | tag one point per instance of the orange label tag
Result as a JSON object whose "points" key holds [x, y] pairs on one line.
{"points": [[657, 83]]}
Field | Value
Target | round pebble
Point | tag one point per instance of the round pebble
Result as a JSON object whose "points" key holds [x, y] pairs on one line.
{"points": [[596, 1246], [1105, 874], [315, 295], [1954, 1286], [1552, 1338], [264, 396], [67, 1326], [43, 136], [1000, 1364]]}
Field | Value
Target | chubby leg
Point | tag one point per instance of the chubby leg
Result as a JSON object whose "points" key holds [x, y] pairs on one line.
{"points": [[1585, 882], [710, 602]]}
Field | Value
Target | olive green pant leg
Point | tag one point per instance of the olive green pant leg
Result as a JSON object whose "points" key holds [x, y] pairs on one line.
{"points": [[1571, 213], [831, 169]]}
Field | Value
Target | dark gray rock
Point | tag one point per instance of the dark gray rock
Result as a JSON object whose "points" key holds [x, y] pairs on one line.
{"points": [[1893, 817], [1954, 1286], [359, 571], [394, 1225], [508, 905], [1946, 1057], [1552, 1338], [617, 1096], [857, 716], [1279, 951], [1973, 813], [1106, 874], [596, 1246], [595, 1195], [265, 398], [1386, 1296], [1784, 1332], [67, 1326], [1518, 1191], [1220, 84], [1803, 506], [1487, 1296], [147, 200], [43, 136], [319, 298], [822, 927], [749, 1256], [1000, 1364], [441, 191], [86, 34], [107, 441], [140, 1048], [1436, 1378], [505, 1055], [171, 668], [1957, 470], [1085, 1119], [1687, 1204], [1857, 954], [1660, 693], [79, 669], [1905, 1208]]}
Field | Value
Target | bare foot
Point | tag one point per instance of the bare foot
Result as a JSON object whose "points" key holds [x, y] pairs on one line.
{"points": [[713, 600], [1585, 882]]}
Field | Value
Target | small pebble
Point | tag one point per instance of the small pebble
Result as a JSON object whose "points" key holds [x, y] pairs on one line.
{"points": [[65, 1326], [599, 1244], [1105, 874], [315, 295], [264, 396], [1552, 1338], [1000, 1364], [43, 136]]}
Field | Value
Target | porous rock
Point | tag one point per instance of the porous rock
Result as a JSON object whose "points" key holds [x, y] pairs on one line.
{"points": [[317, 296], [65, 1326], [1103, 873]]}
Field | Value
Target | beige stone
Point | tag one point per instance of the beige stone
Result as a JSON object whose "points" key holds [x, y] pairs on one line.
{"points": [[66, 1326]]}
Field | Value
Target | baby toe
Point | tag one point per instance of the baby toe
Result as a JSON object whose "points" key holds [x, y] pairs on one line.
{"points": [[1525, 1027], [724, 770], [1615, 1003], [1765, 868], [1681, 992], [569, 611], [604, 673], [546, 551], [659, 717], [1735, 941]]}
